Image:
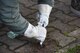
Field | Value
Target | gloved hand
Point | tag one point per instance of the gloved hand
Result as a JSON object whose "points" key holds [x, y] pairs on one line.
{"points": [[43, 14], [43, 20], [37, 32], [41, 34]]}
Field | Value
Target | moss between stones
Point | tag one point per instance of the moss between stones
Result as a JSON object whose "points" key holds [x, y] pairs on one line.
{"points": [[66, 33], [74, 50]]}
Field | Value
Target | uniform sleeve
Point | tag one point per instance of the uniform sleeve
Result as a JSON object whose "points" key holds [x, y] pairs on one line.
{"points": [[49, 2]]}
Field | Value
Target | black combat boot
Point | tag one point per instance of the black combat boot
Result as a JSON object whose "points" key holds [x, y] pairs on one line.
{"points": [[75, 7]]}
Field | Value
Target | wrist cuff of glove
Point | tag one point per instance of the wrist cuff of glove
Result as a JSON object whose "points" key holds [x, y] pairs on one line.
{"points": [[44, 9], [28, 29]]}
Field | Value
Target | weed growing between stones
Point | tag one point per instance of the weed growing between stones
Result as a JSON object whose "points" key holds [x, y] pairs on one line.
{"points": [[75, 49]]}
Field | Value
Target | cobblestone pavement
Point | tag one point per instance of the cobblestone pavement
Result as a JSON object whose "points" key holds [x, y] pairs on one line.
{"points": [[63, 30]]}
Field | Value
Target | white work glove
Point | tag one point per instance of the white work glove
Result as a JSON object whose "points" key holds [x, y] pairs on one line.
{"points": [[37, 32], [43, 20], [43, 14], [41, 34]]}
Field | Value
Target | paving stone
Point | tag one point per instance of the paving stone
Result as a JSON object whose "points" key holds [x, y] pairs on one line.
{"points": [[32, 21], [72, 14], [64, 28], [75, 33], [25, 11], [63, 17], [74, 44], [51, 19], [3, 31], [63, 50], [33, 18], [56, 1], [52, 16], [61, 6], [50, 29], [60, 38], [4, 50], [28, 3], [53, 11], [75, 22], [49, 47], [34, 7], [1, 25], [67, 2], [12, 43], [25, 49]]}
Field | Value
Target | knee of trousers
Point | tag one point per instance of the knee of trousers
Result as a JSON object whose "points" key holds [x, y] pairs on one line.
{"points": [[49, 2], [13, 19]]}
